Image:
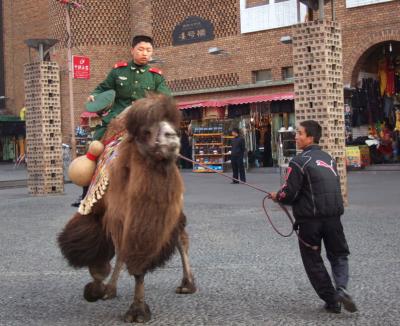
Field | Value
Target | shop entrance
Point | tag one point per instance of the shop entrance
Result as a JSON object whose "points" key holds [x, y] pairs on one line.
{"points": [[372, 108]]}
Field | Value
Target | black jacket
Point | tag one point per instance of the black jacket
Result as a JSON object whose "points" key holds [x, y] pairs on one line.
{"points": [[238, 147], [312, 186]]}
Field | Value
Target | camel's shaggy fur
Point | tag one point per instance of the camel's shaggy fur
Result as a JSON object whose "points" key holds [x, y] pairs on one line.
{"points": [[141, 213]]}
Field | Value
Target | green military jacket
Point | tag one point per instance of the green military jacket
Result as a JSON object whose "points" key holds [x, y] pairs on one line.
{"points": [[130, 82]]}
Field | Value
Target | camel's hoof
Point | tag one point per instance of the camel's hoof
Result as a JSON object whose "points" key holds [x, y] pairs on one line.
{"points": [[93, 291], [186, 287], [110, 292], [136, 314]]}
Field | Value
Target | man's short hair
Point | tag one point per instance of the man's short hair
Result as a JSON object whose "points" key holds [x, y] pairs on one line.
{"points": [[141, 38], [312, 129]]}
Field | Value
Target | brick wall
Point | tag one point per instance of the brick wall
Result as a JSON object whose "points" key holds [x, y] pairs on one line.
{"points": [[22, 20], [104, 35]]}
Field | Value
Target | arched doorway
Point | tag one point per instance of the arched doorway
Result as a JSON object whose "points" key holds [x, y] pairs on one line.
{"points": [[373, 102]]}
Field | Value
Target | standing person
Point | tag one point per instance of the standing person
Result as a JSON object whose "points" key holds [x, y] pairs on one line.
{"points": [[237, 155], [130, 81], [267, 147], [313, 189]]}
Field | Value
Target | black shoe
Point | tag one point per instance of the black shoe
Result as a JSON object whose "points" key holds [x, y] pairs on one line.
{"points": [[76, 203], [334, 308], [234, 182], [345, 298]]}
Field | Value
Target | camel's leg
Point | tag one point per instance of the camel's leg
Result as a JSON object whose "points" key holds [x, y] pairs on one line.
{"points": [[139, 311], [111, 286], [95, 290], [187, 285]]}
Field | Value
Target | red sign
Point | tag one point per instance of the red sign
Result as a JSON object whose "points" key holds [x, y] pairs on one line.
{"points": [[81, 67]]}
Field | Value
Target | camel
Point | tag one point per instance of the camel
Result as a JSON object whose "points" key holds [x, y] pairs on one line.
{"points": [[140, 216]]}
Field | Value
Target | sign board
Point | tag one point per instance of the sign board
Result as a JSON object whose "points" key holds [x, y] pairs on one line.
{"points": [[192, 30], [81, 67]]}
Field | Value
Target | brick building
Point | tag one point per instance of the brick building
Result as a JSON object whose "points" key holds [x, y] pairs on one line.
{"points": [[208, 50]]}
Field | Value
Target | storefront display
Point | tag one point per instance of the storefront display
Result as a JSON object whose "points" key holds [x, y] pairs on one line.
{"points": [[375, 105], [12, 139]]}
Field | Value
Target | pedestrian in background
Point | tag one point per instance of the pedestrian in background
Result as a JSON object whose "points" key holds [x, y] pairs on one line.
{"points": [[313, 189], [237, 156]]}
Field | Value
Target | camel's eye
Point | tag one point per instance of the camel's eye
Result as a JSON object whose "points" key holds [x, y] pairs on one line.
{"points": [[170, 134]]}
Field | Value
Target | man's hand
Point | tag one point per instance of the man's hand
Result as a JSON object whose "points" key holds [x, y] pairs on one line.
{"points": [[272, 195], [90, 98]]}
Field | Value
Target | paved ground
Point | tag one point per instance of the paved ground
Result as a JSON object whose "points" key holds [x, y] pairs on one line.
{"points": [[246, 274]]}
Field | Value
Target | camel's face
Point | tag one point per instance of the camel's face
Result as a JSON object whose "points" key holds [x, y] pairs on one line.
{"points": [[160, 142]]}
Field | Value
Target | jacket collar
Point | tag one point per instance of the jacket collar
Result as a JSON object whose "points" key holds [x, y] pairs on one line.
{"points": [[136, 67], [312, 147]]}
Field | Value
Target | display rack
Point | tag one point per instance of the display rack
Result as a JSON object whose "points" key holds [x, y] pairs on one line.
{"points": [[81, 145], [208, 149]]}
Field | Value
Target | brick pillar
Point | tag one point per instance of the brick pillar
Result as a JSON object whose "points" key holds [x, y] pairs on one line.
{"points": [[318, 85], [43, 128]]}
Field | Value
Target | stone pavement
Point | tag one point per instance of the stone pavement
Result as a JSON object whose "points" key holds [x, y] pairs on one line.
{"points": [[246, 274]]}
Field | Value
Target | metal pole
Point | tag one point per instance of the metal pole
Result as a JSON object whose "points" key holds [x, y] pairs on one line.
{"points": [[321, 9], [71, 91], [40, 52], [298, 12]]}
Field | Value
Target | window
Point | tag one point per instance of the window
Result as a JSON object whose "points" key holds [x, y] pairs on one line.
{"points": [[287, 73], [256, 3], [262, 75]]}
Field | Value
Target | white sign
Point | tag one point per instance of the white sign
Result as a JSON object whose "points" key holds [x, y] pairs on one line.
{"points": [[359, 3]]}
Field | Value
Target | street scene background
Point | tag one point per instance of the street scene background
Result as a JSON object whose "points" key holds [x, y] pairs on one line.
{"points": [[246, 274]]}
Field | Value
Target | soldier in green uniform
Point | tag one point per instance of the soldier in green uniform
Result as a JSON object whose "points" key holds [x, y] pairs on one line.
{"points": [[131, 81]]}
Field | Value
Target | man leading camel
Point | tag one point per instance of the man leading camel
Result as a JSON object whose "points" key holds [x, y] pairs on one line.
{"points": [[312, 187]]}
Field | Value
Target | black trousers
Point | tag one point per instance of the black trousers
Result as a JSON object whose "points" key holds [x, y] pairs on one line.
{"points": [[331, 232], [238, 168]]}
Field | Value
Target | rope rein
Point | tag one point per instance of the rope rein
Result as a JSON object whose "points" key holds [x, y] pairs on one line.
{"points": [[267, 196]]}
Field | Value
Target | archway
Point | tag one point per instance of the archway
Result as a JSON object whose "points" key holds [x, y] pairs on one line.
{"points": [[367, 63]]}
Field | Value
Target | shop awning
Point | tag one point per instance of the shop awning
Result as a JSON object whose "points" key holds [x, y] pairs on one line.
{"points": [[87, 114], [236, 100], [260, 98], [201, 104]]}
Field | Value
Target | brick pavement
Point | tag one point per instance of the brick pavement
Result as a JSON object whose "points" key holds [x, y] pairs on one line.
{"points": [[246, 274]]}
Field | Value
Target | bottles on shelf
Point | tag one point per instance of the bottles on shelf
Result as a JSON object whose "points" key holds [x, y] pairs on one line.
{"points": [[208, 147]]}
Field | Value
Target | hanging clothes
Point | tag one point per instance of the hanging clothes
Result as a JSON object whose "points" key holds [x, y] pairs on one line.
{"points": [[382, 75]]}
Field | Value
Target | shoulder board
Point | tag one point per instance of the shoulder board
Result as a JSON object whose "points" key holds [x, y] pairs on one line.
{"points": [[120, 64], [155, 71]]}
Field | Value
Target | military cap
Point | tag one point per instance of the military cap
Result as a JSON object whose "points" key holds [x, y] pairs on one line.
{"points": [[101, 101]]}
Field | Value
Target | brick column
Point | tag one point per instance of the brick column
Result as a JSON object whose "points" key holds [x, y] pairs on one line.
{"points": [[43, 128], [318, 85]]}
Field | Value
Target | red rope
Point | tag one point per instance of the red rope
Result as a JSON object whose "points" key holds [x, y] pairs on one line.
{"points": [[268, 196]]}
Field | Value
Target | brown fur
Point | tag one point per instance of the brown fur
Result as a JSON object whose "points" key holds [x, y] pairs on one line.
{"points": [[141, 211], [83, 241], [149, 191]]}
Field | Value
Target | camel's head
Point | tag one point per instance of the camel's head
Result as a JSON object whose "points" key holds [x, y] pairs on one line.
{"points": [[152, 123]]}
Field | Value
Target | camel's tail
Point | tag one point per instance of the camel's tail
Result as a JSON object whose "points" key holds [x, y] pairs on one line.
{"points": [[83, 242]]}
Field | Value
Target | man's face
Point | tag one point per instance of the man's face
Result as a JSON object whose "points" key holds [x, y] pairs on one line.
{"points": [[302, 140], [141, 53]]}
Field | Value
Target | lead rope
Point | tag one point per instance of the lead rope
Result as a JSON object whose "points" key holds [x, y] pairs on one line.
{"points": [[268, 196]]}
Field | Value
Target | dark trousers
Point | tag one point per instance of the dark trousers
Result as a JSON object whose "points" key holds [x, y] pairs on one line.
{"points": [[337, 250], [238, 168]]}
